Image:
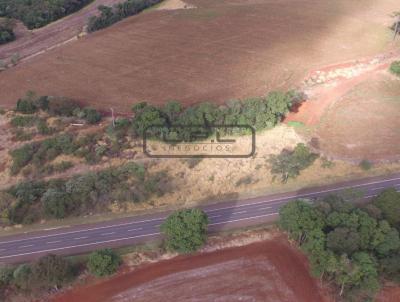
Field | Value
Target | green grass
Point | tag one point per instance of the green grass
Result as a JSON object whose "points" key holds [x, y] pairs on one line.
{"points": [[296, 124], [395, 68]]}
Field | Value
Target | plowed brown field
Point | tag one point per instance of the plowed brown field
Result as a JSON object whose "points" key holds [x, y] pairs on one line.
{"points": [[217, 51], [267, 271]]}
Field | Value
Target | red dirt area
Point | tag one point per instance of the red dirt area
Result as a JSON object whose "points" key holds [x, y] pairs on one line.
{"points": [[389, 294], [267, 271], [218, 51]]}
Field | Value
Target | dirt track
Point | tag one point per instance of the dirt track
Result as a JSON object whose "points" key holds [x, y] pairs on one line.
{"points": [[33, 42], [266, 271], [217, 51]]}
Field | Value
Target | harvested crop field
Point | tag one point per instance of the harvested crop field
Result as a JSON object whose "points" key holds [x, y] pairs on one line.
{"points": [[216, 51], [269, 271], [364, 123]]}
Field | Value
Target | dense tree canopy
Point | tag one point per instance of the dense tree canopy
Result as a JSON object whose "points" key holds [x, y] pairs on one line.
{"points": [[185, 230], [345, 243]]}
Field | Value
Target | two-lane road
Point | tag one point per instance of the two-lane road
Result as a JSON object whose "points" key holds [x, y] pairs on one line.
{"points": [[127, 231]]}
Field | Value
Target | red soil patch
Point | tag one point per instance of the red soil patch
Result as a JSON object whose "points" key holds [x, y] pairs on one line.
{"points": [[389, 294], [269, 271], [218, 51], [323, 96]]}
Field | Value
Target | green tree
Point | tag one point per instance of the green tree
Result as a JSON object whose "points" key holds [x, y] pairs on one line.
{"points": [[289, 164], [343, 240], [6, 275], [389, 203], [300, 218], [103, 262], [185, 230], [55, 203]]}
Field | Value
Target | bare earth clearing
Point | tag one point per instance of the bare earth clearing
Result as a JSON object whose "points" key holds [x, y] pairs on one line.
{"points": [[217, 51], [266, 274]]}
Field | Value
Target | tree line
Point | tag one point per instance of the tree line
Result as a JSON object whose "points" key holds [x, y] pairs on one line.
{"points": [[110, 15], [353, 247], [38, 13]]}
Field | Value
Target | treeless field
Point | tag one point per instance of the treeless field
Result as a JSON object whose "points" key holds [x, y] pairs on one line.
{"points": [[220, 50], [267, 271], [365, 122]]}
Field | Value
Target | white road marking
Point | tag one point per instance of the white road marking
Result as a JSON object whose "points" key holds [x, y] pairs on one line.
{"points": [[283, 199], [79, 238], [214, 216], [106, 234], [264, 208], [51, 242], [120, 239], [82, 231], [238, 213], [132, 230], [305, 195], [80, 245], [247, 218], [25, 246]]}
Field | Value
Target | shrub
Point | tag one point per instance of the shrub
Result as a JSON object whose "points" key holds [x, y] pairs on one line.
{"points": [[55, 203], [185, 230], [22, 277], [103, 262], [27, 104], [365, 165], [6, 275], [23, 121], [395, 68], [92, 116], [289, 164], [43, 129], [51, 271], [6, 31]]}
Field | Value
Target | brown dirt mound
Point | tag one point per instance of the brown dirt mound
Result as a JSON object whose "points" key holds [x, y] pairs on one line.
{"points": [[218, 51], [266, 271]]}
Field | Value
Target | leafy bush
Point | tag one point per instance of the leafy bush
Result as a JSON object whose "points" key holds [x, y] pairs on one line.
{"points": [[185, 230], [51, 271], [6, 275], [103, 262], [395, 68], [6, 31], [24, 121], [365, 165], [22, 277], [289, 164], [110, 15], [38, 13], [27, 104]]}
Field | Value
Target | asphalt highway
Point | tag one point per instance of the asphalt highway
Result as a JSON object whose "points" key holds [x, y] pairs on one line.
{"points": [[128, 231]]}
